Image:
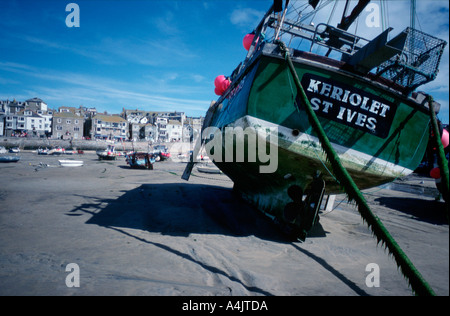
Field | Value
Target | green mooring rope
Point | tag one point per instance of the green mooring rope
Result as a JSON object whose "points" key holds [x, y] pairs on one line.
{"points": [[417, 282]]}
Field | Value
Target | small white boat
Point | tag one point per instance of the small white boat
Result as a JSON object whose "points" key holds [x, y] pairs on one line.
{"points": [[71, 163], [42, 151], [209, 169], [56, 151]]}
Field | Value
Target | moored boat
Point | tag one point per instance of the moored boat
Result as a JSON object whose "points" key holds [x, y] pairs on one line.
{"points": [[56, 151], [363, 93], [108, 154], [71, 163], [8, 158], [140, 160], [42, 151], [161, 152]]}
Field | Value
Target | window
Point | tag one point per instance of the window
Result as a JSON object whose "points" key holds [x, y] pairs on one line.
{"points": [[68, 121], [76, 129], [58, 127], [59, 120], [75, 122], [21, 119]]}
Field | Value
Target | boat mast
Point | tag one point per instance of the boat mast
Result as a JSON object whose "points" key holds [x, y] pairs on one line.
{"points": [[277, 6]]}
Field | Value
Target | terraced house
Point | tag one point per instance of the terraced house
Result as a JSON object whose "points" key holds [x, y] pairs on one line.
{"points": [[67, 125], [103, 126]]}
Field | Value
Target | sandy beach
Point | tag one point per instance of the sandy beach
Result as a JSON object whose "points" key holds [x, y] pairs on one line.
{"points": [[148, 232]]}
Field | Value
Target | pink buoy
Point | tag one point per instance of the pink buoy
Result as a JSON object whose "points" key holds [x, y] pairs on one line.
{"points": [[247, 41], [218, 81], [225, 84], [218, 91], [435, 173], [445, 138]]}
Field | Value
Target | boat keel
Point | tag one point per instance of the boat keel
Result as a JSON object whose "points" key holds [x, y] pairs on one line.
{"points": [[299, 216]]}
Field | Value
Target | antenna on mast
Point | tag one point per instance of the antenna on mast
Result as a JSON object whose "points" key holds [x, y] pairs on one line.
{"points": [[413, 14]]}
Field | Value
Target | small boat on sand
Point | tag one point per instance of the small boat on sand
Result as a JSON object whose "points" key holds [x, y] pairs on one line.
{"points": [[42, 151], [71, 163], [9, 158], [56, 151], [140, 160], [107, 154]]}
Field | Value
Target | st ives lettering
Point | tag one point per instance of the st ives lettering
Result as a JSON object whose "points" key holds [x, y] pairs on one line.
{"points": [[348, 105]]}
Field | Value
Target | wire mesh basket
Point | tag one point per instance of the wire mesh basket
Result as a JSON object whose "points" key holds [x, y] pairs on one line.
{"points": [[417, 63]]}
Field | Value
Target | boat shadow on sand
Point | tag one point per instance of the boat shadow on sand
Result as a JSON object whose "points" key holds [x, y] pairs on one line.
{"points": [[179, 209]]}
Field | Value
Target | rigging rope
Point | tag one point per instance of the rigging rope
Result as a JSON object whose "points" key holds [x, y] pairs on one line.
{"points": [[418, 284]]}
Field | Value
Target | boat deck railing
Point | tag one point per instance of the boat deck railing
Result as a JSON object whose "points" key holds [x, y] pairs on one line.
{"points": [[409, 60]]}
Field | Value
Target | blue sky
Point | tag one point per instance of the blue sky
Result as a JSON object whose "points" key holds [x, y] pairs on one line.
{"points": [[148, 54]]}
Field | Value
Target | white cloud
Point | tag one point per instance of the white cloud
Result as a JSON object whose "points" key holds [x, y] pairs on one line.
{"points": [[68, 88], [246, 17]]}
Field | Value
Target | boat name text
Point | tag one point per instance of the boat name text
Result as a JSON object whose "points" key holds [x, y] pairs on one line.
{"points": [[348, 105]]}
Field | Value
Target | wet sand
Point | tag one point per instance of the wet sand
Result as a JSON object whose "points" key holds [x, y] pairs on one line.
{"points": [[148, 232]]}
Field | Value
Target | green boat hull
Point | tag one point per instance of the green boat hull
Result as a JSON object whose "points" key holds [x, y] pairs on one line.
{"points": [[378, 133]]}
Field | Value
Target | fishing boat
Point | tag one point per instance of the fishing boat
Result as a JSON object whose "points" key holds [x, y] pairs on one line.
{"points": [[108, 154], [56, 151], [363, 93], [42, 151], [140, 160], [162, 153]]}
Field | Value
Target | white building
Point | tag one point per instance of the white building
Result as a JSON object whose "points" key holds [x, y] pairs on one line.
{"points": [[174, 131], [161, 122]]}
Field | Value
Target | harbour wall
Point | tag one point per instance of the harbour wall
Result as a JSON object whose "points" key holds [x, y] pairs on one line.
{"points": [[34, 143]]}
